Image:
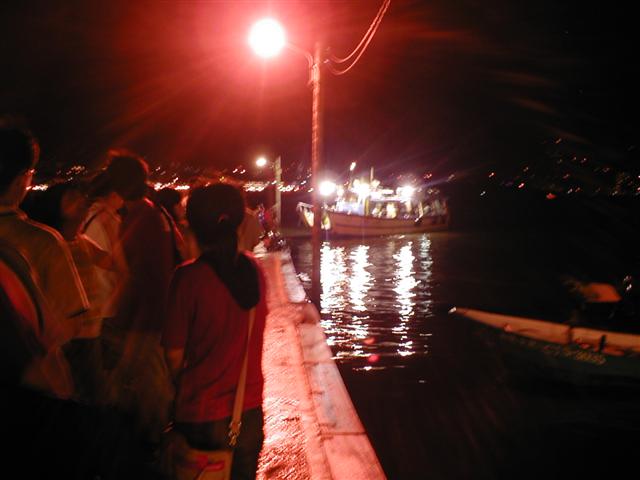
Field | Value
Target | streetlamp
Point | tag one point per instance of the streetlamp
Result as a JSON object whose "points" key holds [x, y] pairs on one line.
{"points": [[277, 171], [267, 38]]}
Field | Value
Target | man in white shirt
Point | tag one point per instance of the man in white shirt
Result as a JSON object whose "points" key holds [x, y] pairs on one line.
{"points": [[102, 225], [42, 247]]}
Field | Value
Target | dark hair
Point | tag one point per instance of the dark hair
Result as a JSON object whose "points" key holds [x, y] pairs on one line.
{"points": [[167, 198], [48, 207], [127, 174], [99, 186], [214, 214], [19, 151]]}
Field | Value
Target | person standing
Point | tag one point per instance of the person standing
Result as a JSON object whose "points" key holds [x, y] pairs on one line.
{"points": [[42, 247], [102, 225], [169, 201], [205, 334], [250, 231], [64, 207], [140, 380]]}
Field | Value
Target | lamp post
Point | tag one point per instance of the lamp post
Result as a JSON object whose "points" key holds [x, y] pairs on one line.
{"points": [[352, 167], [277, 169], [277, 173], [267, 39], [316, 161]]}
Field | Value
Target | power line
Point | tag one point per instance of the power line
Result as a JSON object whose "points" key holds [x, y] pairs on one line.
{"points": [[362, 46]]}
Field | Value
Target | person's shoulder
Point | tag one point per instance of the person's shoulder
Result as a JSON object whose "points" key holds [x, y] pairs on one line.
{"points": [[40, 243], [190, 268], [193, 273], [254, 261], [41, 233], [143, 214], [146, 207], [101, 213], [135, 208], [250, 256], [88, 242], [96, 208]]}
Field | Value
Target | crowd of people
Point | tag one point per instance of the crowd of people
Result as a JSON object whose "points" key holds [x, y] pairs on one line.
{"points": [[124, 311]]}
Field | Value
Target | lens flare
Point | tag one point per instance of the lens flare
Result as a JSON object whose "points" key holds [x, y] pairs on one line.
{"points": [[267, 38]]}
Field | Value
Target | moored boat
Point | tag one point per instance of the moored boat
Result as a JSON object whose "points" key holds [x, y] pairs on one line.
{"points": [[362, 211], [347, 224], [560, 351]]}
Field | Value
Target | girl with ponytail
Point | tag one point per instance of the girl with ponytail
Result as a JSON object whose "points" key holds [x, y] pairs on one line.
{"points": [[205, 334]]}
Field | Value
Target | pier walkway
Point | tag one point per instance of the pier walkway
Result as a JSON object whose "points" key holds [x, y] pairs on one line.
{"points": [[312, 430]]}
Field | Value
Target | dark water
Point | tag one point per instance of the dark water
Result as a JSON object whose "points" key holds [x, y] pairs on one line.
{"points": [[436, 401]]}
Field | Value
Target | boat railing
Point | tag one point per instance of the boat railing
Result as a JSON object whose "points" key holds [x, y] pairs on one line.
{"points": [[302, 205], [605, 340]]}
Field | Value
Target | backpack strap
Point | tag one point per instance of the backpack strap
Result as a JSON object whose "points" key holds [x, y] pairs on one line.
{"points": [[234, 426], [90, 220]]}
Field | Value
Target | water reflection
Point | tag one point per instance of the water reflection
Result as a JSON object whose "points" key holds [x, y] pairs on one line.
{"points": [[376, 297], [360, 277], [404, 281]]}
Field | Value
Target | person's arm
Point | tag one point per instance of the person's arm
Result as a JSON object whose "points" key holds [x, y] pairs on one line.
{"points": [[174, 358], [176, 326]]}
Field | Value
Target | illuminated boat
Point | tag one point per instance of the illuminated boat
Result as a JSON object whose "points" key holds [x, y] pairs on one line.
{"points": [[363, 210], [580, 355]]}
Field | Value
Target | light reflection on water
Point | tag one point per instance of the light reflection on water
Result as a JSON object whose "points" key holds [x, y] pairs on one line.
{"points": [[376, 296], [460, 411]]}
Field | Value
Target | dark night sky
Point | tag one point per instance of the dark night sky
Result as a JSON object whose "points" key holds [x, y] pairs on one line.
{"points": [[463, 85]]}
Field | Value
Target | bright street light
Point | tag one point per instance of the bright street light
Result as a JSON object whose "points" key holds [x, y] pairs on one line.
{"points": [[327, 188], [261, 162], [267, 38]]}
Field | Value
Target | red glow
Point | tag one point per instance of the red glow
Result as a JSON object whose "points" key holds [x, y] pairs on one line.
{"points": [[373, 358]]}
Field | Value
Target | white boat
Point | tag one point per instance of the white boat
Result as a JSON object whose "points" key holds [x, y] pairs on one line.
{"points": [[578, 354], [366, 225], [364, 212]]}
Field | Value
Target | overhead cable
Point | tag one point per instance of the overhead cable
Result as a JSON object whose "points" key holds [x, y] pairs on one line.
{"points": [[362, 46]]}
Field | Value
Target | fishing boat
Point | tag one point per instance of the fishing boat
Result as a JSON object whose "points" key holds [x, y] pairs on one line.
{"points": [[365, 209], [581, 355]]}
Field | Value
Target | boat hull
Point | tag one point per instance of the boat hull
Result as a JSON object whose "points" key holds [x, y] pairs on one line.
{"points": [[556, 351], [345, 224]]}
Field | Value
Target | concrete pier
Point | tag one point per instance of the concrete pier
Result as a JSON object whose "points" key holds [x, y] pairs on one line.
{"points": [[312, 430]]}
